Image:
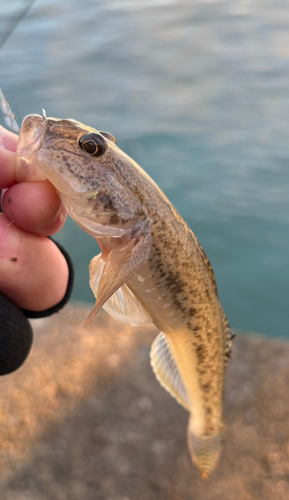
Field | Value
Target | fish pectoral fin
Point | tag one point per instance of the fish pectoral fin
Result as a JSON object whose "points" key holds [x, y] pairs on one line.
{"points": [[166, 370], [106, 277]]}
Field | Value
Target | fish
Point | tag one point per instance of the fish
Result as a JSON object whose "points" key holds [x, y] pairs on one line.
{"points": [[151, 269]]}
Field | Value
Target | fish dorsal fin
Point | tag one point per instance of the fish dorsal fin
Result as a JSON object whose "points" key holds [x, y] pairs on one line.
{"points": [[123, 304], [166, 370], [227, 337]]}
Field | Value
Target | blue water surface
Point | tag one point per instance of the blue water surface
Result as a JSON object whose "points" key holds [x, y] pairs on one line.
{"points": [[197, 92]]}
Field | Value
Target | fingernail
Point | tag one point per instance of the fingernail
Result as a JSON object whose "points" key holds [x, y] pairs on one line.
{"points": [[8, 140]]}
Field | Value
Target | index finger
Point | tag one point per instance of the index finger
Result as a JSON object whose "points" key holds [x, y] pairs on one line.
{"points": [[33, 206]]}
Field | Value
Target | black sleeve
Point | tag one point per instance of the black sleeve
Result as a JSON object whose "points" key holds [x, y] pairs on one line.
{"points": [[16, 336]]}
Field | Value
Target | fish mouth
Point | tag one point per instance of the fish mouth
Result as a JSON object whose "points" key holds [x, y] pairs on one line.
{"points": [[31, 136], [31, 139]]}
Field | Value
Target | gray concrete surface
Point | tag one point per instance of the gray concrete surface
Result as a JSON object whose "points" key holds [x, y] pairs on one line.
{"points": [[85, 419]]}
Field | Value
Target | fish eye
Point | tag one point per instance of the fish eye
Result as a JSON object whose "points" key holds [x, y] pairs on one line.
{"points": [[93, 144]]}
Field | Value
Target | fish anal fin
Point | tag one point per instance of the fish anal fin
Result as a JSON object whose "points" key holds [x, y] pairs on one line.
{"points": [[166, 370]]}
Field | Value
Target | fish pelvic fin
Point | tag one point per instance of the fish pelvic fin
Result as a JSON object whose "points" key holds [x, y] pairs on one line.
{"points": [[205, 450], [123, 304]]}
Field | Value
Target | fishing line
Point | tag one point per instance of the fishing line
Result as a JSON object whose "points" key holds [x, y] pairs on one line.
{"points": [[9, 116], [14, 23]]}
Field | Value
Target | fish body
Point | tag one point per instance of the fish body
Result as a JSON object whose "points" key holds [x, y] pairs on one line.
{"points": [[152, 268]]}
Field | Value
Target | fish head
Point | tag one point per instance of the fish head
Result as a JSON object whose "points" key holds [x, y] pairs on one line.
{"points": [[80, 162], [71, 155]]}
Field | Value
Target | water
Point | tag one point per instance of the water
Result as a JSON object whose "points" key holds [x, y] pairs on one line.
{"points": [[197, 93]]}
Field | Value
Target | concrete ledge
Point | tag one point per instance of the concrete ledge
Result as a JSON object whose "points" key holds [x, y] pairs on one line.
{"points": [[85, 419]]}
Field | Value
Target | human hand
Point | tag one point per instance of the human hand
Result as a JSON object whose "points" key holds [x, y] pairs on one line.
{"points": [[34, 273], [38, 278]]}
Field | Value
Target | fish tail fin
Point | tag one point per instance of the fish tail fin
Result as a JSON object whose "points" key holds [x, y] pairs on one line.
{"points": [[205, 450]]}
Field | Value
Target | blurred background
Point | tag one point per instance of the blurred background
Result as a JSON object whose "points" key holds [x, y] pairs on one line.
{"points": [[197, 93]]}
